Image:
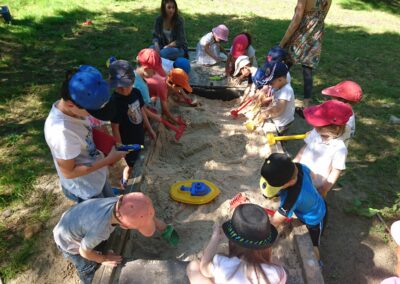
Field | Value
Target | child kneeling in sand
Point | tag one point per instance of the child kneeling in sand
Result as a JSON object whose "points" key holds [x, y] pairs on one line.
{"points": [[178, 84], [251, 236], [325, 151], [209, 47]]}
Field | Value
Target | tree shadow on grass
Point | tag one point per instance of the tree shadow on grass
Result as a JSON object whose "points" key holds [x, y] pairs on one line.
{"points": [[35, 53], [390, 6]]}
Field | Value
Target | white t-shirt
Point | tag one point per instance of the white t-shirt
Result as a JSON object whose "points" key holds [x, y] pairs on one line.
{"points": [[167, 65], [233, 271], [350, 129], [71, 138], [201, 56], [321, 157], [287, 116]]}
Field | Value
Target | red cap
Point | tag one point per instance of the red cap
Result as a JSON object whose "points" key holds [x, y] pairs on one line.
{"points": [[135, 211], [347, 90], [179, 77], [327, 113], [239, 45], [149, 58]]}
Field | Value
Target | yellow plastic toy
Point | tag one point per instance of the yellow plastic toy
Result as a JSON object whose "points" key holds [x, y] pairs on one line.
{"points": [[194, 191], [271, 139]]}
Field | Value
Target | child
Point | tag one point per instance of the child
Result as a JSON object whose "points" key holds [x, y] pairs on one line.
{"points": [[127, 124], [293, 184], [348, 92], [243, 71], [82, 169], [149, 58], [84, 226], [180, 62], [249, 259], [241, 45], [277, 94], [325, 151], [178, 83], [278, 54], [209, 47]]}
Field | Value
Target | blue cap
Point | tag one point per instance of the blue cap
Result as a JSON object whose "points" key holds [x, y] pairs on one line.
{"points": [[121, 74], [182, 63], [276, 54], [269, 72], [88, 89]]}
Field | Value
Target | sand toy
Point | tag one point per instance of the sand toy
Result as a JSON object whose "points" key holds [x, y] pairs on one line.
{"points": [[194, 191], [271, 139], [235, 112]]}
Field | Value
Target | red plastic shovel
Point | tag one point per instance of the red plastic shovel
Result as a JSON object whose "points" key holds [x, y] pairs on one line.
{"points": [[271, 213], [235, 112], [178, 130]]}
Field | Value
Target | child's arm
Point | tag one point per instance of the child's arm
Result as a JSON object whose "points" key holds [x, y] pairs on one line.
{"points": [[206, 265], [221, 48], [209, 53], [115, 131], [277, 219], [70, 169], [329, 182], [147, 124], [109, 259], [228, 66], [299, 155], [165, 110], [277, 108]]}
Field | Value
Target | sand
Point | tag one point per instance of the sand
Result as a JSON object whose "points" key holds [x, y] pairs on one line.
{"points": [[217, 148]]}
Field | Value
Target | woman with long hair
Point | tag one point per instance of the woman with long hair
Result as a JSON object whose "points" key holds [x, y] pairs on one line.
{"points": [[303, 38], [250, 237], [169, 36]]}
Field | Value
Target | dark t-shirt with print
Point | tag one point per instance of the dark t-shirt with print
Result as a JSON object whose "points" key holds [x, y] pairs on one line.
{"points": [[129, 117]]}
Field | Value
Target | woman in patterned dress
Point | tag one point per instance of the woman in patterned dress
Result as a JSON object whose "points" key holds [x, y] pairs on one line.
{"points": [[303, 38]]}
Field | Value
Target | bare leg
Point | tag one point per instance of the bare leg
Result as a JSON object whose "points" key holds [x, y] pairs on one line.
{"points": [[194, 274]]}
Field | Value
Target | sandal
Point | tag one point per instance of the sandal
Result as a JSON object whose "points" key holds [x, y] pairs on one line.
{"points": [[239, 198]]}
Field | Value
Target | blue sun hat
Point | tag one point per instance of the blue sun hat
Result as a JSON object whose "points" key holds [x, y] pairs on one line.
{"points": [[88, 90], [276, 54], [182, 63], [269, 72]]}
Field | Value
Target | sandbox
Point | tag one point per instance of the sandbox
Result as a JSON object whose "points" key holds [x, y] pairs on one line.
{"points": [[217, 148]]}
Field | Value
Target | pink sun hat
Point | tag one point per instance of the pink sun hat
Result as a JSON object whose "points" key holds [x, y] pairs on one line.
{"points": [[221, 32]]}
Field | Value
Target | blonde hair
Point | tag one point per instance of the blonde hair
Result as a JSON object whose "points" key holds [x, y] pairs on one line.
{"points": [[332, 130]]}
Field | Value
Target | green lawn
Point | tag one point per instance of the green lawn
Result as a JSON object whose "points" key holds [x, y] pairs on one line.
{"points": [[47, 37]]}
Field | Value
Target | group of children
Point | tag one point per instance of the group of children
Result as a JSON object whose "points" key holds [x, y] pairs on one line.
{"points": [[140, 97], [301, 184]]}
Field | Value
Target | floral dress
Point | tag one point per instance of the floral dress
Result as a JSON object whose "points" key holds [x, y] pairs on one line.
{"points": [[305, 44]]}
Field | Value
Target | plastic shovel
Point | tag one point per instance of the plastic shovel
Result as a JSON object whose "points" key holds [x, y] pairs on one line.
{"points": [[271, 138], [235, 112]]}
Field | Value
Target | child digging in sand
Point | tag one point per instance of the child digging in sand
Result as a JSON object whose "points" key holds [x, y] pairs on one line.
{"points": [[209, 46], [292, 182]]}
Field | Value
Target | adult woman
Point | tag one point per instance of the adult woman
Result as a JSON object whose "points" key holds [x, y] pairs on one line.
{"points": [[250, 237], [169, 36], [303, 38]]}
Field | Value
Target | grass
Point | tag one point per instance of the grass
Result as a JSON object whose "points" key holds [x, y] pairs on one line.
{"points": [[47, 37]]}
